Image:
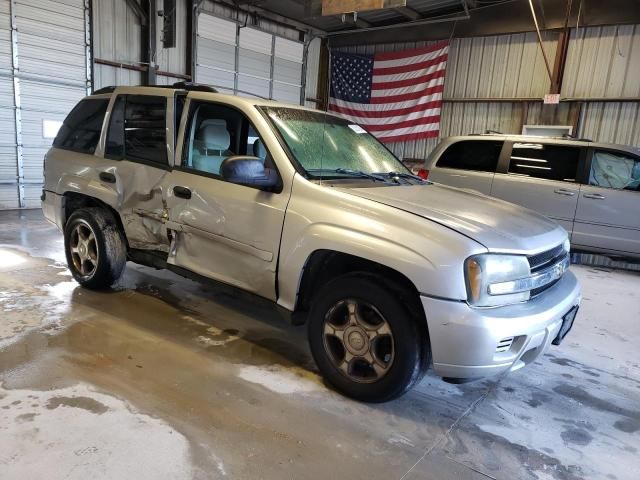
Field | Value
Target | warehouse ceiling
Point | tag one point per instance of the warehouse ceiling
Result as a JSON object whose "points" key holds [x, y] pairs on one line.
{"points": [[437, 19]]}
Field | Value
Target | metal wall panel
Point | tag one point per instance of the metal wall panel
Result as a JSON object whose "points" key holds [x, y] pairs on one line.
{"points": [[603, 62], [247, 59], [53, 75], [504, 66], [174, 59], [614, 122], [116, 37], [216, 45], [43, 73]]}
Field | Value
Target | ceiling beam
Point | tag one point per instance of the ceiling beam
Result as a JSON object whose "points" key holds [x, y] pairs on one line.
{"points": [[138, 11], [408, 12]]}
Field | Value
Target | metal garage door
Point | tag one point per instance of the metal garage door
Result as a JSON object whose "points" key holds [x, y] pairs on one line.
{"points": [[244, 59], [44, 71]]}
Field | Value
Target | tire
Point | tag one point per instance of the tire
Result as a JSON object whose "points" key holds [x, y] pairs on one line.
{"points": [[400, 357], [95, 248]]}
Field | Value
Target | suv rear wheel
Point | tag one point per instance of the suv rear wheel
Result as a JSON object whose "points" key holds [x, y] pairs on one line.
{"points": [[95, 248], [364, 341]]}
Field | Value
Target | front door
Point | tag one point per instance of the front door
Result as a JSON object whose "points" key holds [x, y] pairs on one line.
{"points": [[543, 178], [608, 215], [225, 231]]}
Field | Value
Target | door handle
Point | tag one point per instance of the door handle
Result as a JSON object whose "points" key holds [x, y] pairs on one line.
{"points": [[595, 196], [107, 177], [564, 191], [182, 192]]}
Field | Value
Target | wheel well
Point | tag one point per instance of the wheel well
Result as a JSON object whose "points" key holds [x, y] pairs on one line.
{"points": [[325, 265], [74, 201]]}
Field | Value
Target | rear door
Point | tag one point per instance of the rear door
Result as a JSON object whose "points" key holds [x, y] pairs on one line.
{"points": [[542, 177], [468, 164], [608, 215], [140, 139]]}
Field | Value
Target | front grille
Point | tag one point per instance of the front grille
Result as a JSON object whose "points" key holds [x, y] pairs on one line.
{"points": [[545, 259], [537, 291]]}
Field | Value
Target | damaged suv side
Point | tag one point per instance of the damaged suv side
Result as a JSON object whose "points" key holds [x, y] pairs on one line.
{"points": [[391, 273]]}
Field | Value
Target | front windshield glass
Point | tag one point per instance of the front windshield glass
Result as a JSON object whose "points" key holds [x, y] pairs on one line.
{"points": [[329, 147]]}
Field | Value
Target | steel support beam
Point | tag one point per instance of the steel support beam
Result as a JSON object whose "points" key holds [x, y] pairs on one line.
{"points": [[138, 11], [409, 13], [561, 53], [18, 105], [149, 41]]}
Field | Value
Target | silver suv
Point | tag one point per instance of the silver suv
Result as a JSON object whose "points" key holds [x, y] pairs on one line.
{"points": [[591, 189], [392, 274]]}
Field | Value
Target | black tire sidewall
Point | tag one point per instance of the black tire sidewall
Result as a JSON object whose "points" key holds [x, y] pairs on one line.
{"points": [[407, 367], [111, 252]]}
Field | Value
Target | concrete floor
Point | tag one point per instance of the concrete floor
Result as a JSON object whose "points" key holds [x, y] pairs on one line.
{"points": [[167, 378]]}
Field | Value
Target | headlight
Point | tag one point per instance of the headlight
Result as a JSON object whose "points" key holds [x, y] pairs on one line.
{"points": [[494, 280], [567, 246]]}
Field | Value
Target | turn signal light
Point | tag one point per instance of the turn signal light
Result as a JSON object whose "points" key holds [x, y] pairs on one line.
{"points": [[423, 173]]}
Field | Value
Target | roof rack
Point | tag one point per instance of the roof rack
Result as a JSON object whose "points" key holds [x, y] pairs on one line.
{"points": [[109, 89], [189, 86]]}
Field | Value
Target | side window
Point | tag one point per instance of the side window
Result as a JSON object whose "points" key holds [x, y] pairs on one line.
{"points": [[80, 131], [551, 162], [479, 155], [615, 170], [216, 132], [138, 129]]}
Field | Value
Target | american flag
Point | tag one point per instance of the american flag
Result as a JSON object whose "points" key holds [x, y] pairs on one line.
{"points": [[396, 96]]}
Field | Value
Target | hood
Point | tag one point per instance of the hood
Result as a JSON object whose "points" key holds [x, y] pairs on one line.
{"points": [[499, 226]]}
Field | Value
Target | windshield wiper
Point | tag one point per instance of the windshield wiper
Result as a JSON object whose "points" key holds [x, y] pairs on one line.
{"points": [[403, 175], [351, 173]]}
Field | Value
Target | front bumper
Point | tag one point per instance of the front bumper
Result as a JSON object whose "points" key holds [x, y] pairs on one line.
{"points": [[471, 342]]}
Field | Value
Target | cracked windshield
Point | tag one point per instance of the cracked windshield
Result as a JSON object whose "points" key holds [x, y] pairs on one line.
{"points": [[329, 148]]}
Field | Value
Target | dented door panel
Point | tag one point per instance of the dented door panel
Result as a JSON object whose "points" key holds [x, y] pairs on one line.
{"points": [[225, 231]]}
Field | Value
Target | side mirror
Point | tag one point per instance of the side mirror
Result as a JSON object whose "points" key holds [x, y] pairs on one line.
{"points": [[249, 171]]}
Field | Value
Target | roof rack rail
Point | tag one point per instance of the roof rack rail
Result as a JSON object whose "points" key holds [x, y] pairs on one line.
{"points": [[190, 86], [194, 87], [108, 89]]}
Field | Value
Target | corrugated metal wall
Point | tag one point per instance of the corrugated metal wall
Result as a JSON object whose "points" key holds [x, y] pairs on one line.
{"points": [[602, 62], [116, 37], [44, 71]]}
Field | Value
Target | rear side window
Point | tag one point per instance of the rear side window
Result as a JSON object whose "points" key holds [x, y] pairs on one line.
{"points": [[138, 129], [551, 162], [615, 170], [479, 155], [80, 131]]}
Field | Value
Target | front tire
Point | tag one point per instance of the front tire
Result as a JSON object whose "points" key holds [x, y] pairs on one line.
{"points": [[95, 248], [364, 340]]}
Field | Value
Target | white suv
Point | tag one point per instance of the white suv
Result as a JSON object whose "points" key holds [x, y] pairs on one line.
{"points": [[591, 189], [391, 273]]}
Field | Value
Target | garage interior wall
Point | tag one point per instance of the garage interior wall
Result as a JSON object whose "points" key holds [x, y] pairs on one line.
{"points": [[239, 53], [44, 71], [494, 83]]}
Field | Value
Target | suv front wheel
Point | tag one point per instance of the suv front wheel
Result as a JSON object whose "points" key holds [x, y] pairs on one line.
{"points": [[95, 248], [364, 341]]}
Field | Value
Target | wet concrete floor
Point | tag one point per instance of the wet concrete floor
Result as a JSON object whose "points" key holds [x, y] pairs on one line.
{"points": [[165, 378]]}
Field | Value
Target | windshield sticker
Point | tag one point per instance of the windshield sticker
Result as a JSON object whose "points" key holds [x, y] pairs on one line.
{"points": [[357, 128]]}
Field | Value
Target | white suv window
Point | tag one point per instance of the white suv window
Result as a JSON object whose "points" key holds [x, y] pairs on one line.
{"points": [[614, 170], [477, 155], [551, 162]]}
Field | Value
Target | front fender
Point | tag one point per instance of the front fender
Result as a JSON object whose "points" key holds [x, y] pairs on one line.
{"points": [[325, 236]]}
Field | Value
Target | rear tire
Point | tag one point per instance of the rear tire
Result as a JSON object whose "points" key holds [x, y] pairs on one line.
{"points": [[364, 340], [95, 248]]}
